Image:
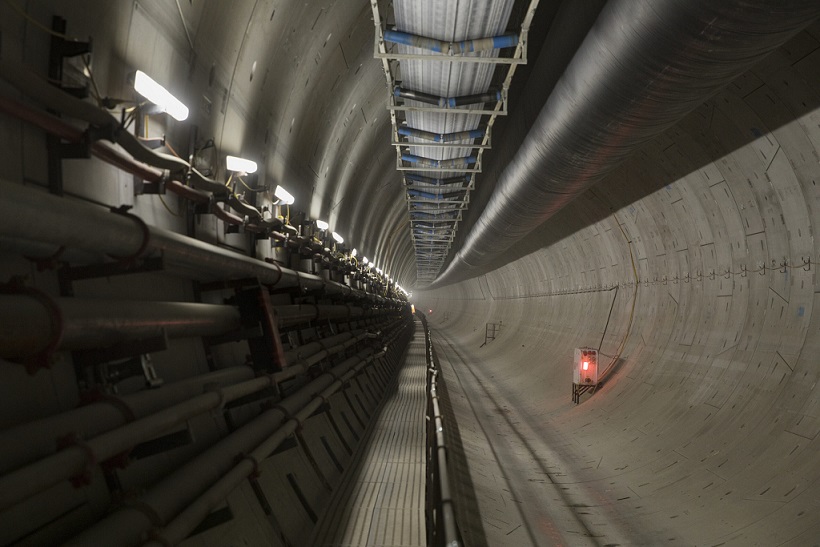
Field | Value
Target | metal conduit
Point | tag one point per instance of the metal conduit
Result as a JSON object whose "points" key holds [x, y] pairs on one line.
{"points": [[73, 460], [451, 48], [452, 163], [643, 66], [27, 442], [447, 102], [185, 522], [440, 137], [27, 325], [30, 441], [464, 179], [430, 195], [28, 214], [187, 485]]}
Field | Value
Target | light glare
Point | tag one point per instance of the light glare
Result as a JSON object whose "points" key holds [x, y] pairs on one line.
{"points": [[151, 90], [285, 197], [240, 165]]}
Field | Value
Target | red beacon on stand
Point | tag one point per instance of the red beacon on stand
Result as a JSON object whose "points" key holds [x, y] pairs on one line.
{"points": [[584, 372]]}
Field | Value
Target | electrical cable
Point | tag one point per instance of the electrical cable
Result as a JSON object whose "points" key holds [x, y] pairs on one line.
{"points": [[166, 206], [248, 187], [96, 90], [185, 26], [621, 347], [37, 23]]}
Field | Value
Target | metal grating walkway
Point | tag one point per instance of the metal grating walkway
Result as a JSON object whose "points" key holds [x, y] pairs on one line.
{"points": [[381, 501]]}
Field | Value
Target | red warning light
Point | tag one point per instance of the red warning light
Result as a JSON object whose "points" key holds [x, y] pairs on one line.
{"points": [[431, 311], [586, 365]]}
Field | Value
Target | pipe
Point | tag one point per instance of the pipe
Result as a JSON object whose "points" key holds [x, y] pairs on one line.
{"points": [[451, 48], [419, 224], [445, 509], [186, 521], [302, 313], [28, 326], [478, 98], [426, 216], [454, 163], [184, 487], [113, 156], [643, 66], [19, 76], [484, 44], [441, 137], [34, 440], [430, 195], [462, 179], [446, 102], [75, 459], [32, 215], [37, 439], [194, 513], [419, 96]]}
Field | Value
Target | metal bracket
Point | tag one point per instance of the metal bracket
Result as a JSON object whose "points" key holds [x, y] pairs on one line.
{"points": [[256, 311]]}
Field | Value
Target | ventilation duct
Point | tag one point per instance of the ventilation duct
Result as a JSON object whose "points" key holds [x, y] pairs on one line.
{"points": [[644, 65]]}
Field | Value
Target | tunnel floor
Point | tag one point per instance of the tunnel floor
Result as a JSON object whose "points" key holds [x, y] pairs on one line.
{"points": [[512, 485], [381, 501]]}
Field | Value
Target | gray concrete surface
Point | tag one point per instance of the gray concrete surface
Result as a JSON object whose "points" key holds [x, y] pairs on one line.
{"points": [[706, 430], [381, 499]]}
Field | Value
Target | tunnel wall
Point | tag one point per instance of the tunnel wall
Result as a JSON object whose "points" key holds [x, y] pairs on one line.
{"points": [[707, 424]]}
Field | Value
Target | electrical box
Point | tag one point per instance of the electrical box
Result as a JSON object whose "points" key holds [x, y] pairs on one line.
{"points": [[585, 367]]}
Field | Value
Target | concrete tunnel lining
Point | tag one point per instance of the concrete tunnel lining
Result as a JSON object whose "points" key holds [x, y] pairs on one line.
{"points": [[707, 429], [705, 432]]}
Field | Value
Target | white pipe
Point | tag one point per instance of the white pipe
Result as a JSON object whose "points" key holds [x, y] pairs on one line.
{"points": [[37, 439], [171, 495]]}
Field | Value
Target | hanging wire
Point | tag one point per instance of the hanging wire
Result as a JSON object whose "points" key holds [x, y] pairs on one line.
{"points": [[168, 208], [95, 89], [37, 23], [621, 347]]}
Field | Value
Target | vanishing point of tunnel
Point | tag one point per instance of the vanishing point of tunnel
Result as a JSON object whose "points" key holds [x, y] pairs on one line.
{"points": [[409, 272]]}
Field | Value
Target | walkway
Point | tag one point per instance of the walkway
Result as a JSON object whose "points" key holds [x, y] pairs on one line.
{"points": [[381, 501]]}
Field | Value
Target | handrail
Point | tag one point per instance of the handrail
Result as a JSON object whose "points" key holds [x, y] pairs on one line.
{"points": [[442, 528]]}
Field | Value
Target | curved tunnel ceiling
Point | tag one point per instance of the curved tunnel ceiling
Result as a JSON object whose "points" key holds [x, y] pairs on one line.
{"points": [[712, 405]]}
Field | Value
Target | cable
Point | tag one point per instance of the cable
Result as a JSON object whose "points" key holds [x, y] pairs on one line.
{"points": [[185, 26], [634, 300], [37, 23], [166, 206], [97, 96], [248, 187], [171, 148]]}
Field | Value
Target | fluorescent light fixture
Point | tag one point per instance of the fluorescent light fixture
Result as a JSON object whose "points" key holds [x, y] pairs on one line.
{"points": [[321, 224], [240, 165], [365, 260], [338, 238], [354, 252], [378, 271], [285, 197], [151, 90]]}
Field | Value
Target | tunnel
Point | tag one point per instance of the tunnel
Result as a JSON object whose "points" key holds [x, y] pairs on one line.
{"points": [[409, 272]]}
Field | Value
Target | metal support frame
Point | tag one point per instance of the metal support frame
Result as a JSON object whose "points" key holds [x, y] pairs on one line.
{"points": [[580, 389], [59, 50], [429, 263], [430, 144], [256, 310]]}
